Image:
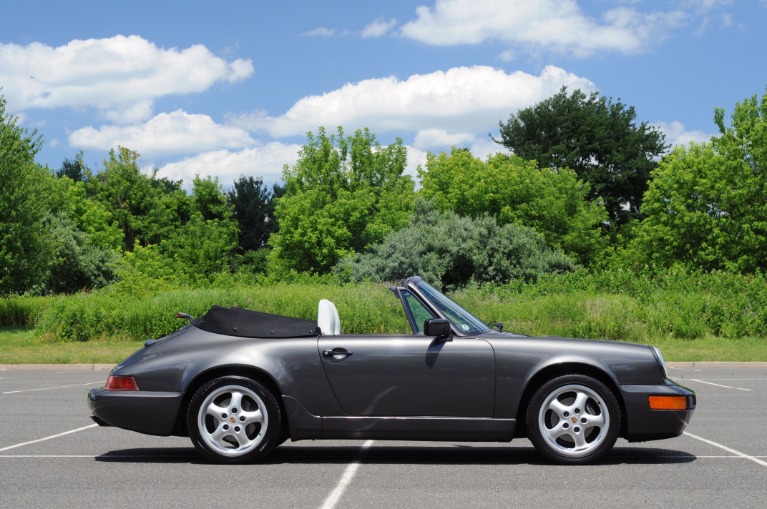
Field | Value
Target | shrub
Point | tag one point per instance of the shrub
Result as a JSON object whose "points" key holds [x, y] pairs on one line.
{"points": [[449, 250]]}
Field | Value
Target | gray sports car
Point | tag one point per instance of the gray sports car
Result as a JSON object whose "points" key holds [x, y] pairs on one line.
{"points": [[239, 383]]}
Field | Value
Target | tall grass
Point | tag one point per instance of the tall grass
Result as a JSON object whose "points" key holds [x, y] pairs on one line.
{"points": [[19, 312], [364, 308], [623, 305], [607, 305]]}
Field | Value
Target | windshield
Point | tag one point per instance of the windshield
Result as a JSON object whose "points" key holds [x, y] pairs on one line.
{"points": [[462, 319]]}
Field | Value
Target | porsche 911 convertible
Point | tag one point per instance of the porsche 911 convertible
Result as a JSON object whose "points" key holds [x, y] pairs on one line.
{"points": [[240, 382]]}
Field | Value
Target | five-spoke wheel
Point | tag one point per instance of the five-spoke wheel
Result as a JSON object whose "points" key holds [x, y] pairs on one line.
{"points": [[573, 419], [233, 420]]}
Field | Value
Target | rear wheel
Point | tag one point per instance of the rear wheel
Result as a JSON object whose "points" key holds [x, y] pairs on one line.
{"points": [[234, 419], [573, 419]]}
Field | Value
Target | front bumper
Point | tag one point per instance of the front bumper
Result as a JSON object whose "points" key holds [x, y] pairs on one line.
{"points": [[149, 412], [644, 424]]}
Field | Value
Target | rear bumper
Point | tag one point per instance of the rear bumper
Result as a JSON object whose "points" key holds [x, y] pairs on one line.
{"points": [[644, 424], [149, 412]]}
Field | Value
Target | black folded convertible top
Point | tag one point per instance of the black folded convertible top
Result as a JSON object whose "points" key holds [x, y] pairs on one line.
{"points": [[252, 324]]}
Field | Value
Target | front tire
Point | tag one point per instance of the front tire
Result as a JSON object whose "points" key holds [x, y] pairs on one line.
{"points": [[573, 419], [234, 419]]}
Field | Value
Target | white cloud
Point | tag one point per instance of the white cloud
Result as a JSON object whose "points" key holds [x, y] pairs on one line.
{"points": [[264, 161], [433, 138], [320, 32], [508, 55], [485, 146], [462, 99], [120, 75], [177, 132], [415, 158], [677, 134], [379, 27], [559, 25]]}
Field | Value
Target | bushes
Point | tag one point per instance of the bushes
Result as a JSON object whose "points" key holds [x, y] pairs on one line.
{"points": [[449, 251]]}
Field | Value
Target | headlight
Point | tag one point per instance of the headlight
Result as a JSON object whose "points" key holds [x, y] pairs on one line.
{"points": [[661, 362]]}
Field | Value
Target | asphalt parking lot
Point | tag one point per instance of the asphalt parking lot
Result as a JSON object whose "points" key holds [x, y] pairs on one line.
{"points": [[51, 454]]}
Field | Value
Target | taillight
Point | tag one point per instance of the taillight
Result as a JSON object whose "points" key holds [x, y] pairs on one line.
{"points": [[121, 383]]}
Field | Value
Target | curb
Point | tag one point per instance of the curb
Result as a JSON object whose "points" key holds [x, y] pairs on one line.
{"points": [[716, 364], [56, 367]]}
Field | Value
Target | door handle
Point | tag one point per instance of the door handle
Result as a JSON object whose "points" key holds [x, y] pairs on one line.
{"points": [[337, 353]]}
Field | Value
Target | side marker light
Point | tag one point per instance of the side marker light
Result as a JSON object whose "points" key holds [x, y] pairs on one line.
{"points": [[667, 402]]}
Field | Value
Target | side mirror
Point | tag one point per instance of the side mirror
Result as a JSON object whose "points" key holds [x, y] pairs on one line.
{"points": [[437, 327]]}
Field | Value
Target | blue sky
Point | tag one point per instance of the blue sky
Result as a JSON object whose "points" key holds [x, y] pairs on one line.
{"points": [[231, 88]]}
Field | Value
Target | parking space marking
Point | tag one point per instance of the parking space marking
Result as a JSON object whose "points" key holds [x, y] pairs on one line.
{"points": [[52, 388], [346, 478], [719, 385], [728, 449], [47, 438]]}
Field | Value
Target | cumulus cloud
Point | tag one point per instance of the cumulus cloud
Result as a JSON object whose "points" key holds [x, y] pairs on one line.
{"points": [[434, 138], [177, 132], [120, 75], [460, 100], [677, 134], [264, 161], [559, 25]]}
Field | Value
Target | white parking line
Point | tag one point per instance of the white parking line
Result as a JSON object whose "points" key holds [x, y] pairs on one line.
{"points": [[728, 449], [47, 438], [346, 478], [718, 385], [52, 388]]}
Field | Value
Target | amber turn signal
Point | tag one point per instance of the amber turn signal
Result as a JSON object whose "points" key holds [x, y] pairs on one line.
{"points": [[121, 383], [668, 402]]}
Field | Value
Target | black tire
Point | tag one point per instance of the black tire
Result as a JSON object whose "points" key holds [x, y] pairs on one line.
{"points": [[573, 419], [233, 419]]}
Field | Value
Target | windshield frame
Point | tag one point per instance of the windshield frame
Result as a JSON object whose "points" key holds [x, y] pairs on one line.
{"points": [[463, 322]]}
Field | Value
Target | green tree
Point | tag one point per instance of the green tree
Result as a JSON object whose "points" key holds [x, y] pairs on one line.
{"points": [[450, 250], [343, 194], [24, 235], [594, 136], [197, 248], [75, 169], [88, 215], [514, 190], [705, 207], [77, 263], [145, 208], [254, 211], [209, 199]]}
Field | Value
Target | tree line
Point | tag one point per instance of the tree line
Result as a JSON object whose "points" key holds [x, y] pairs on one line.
{"points": [[577, 182]]}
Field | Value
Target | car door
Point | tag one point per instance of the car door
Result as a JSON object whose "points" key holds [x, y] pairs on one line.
{"points": [[399, 375]]}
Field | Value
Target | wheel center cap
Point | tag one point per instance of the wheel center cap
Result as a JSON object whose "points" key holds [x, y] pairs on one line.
{"points": [[232, 420], [574, 420]]}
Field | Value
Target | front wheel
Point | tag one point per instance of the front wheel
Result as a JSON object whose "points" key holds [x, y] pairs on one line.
{"points": [[234, 419], [573, 419]]}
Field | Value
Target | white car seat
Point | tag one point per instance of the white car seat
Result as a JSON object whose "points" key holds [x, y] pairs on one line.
{"points": [[327, 318]]}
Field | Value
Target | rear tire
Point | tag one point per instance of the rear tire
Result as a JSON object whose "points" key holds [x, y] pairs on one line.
{"points": [[573, 419], [233, 419]]}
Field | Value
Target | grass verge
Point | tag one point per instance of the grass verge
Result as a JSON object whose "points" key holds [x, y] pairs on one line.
{"points": [[19, 346]]}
